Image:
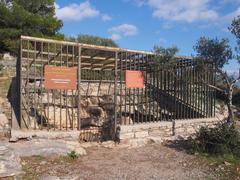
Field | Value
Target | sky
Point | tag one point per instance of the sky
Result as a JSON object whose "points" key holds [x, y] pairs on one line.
{"points": [[141, 24]]}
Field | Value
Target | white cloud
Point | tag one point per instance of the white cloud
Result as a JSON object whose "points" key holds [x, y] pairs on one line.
{"points": [[78, 12], [123, 30], [229, 17], [115, 37], [230, 1], [181, 10], [106, 17], [225, 21]]}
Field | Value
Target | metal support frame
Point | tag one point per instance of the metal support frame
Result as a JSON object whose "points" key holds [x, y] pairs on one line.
{"points": [[171, 92]]}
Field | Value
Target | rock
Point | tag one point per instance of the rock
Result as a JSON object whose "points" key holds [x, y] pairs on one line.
{"points": [[108, 144], [75, 146], [3, 121], [43, 162], [227, 163], [158, 140], [10, 164], [8, 57]]}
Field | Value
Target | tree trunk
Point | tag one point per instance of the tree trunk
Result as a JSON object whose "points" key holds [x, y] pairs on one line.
{"points": [[230, 119]]}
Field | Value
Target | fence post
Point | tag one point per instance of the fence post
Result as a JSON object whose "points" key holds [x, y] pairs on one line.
{"points": [[79, 92], [115, 92]]}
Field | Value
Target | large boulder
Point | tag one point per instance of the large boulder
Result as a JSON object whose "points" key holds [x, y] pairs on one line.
{"points": [[10, 165]]}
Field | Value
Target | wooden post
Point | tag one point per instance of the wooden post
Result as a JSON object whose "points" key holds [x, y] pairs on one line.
{"points": [[79, 92]]}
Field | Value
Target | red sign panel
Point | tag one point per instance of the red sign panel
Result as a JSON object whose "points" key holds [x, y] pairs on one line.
{"points": [[134, 79], [62, 78]]}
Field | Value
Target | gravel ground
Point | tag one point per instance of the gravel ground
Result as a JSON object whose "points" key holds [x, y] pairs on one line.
{"points": [[153, 161]]}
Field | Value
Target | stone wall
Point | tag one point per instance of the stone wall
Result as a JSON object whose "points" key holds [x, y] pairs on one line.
{"points": [[167, 130]]}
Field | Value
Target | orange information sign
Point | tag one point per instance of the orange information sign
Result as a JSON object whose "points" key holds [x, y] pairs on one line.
{"points": [[134, 79], [62, 78]]}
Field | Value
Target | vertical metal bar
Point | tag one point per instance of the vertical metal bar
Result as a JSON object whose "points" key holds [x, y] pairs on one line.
{"points": [[134, 89], [211, 89], [138, 90], [184, 85], [142, 90], [193, 91], [146, 89], [178, 90], [61, 106], [149, 91], [20, 84], [79, 91], [201, 91], [198, 94], [35, 107], [157, 91], [169, 92], [189, 93], [214, 83], [54, 91], [153, 91], [41, 82], [48, 90], [66, 94], [205, 95], [72, 97], [121, 88], [165, 92], [175, 90], [115, 91], [125, 88], [208, 93], [129, 90], [162, 93], [28, 89]]}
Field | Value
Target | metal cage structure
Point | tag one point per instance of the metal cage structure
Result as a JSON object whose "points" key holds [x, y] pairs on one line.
{"points": [[179, 90]]}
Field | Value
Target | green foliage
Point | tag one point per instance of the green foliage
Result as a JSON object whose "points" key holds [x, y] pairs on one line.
{"points": [[73, 154], [95, 40], [27, 17], [214, 50], [235, 30], [1, 67], [221, 140], [165, 55]]}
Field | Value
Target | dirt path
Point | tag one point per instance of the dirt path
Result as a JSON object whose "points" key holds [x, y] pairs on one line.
{"points": [[153, 161]]}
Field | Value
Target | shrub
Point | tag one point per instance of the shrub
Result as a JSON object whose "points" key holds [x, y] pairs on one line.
{"points": [[221, 140], [72, 154], [1, 67]]}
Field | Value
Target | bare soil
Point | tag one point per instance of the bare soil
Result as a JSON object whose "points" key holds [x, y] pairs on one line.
{"points": [[153, 161]]}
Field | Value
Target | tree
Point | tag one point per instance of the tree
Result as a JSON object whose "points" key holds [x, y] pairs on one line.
{"points": [[27, 17], [165, 55], [216, 50], [235, 30], [219, 52], [95, 40]]}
